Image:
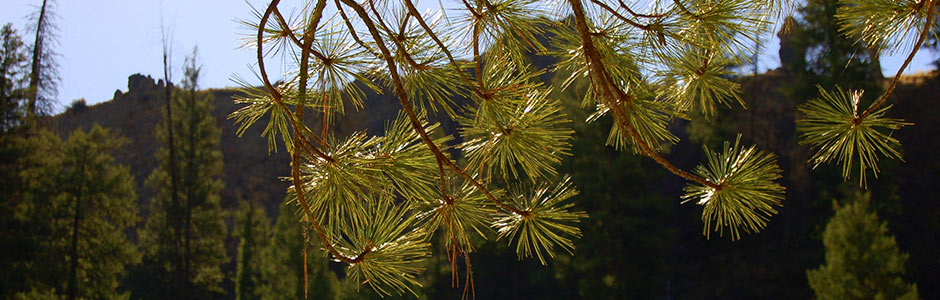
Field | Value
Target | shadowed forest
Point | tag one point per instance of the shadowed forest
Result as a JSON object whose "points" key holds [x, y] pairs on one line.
{"points": [[88, 209]]}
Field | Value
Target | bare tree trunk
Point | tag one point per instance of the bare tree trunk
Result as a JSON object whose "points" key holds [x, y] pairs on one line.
{"points": [[175, 209], [36, 65], [189, 183]]}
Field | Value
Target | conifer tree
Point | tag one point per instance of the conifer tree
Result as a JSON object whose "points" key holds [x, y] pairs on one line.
{"points": [[253, 231], [862, 258], [13, 60], [376, 201], [26, 172], [76, 206], [196, 139], [283, 270], [101, 204]]}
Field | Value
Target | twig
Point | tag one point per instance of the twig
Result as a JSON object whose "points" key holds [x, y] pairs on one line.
{"points": [[625, 6], [352, 30], [294, 39], [406, 106], [397, 39], [414, 12], [897, 76], [607, 84], [295, 159], [621, 17], [686, 10]]}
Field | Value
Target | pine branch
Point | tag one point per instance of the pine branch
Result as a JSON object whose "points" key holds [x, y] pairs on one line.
{"points": [[548, 223], [910, 57], [748, 193], [833, 129], [289, 32], [614, 96], [621, 17], [406, 106], [295, 162]]}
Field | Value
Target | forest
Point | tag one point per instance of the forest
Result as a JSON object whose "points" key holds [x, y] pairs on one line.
{"points": [[591, 150]]}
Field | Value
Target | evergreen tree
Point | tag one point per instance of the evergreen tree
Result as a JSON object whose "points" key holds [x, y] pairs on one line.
{"points": [[100, 205], [283, 268], [862, 258], [17, 156], [76, 207], [253, 231], [203, 230], [28, 172], [13, 60]]}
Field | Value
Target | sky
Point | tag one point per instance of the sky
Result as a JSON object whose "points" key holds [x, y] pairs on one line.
{"points": [[102, 42]]}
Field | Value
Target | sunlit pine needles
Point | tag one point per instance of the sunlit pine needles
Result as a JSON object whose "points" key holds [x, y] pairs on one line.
{"points": [[547, 224], [431, 82], [883, 24], [721, 25], [506, 27], [395, 165], [831, 127], [390, 250], [465, 211], [646, 114], [702, 82], [516, 126], [746, 196], [258, 103], [338, 76]]}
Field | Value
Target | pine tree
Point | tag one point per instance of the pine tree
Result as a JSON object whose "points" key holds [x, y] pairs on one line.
{"points": [[283, 270], [253, 230], [202, 237], [376, 201], [13, 60], [26, 175], [75, 208], [100, 205], [18, 156], [862, 258]]}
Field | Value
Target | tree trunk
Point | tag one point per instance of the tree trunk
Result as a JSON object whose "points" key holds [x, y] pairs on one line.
{"points": [[174, 212], [190, 186], [36, 65], [76, 222]]}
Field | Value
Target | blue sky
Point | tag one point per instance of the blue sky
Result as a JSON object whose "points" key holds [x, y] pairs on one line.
{"points": [[102, 42]]}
